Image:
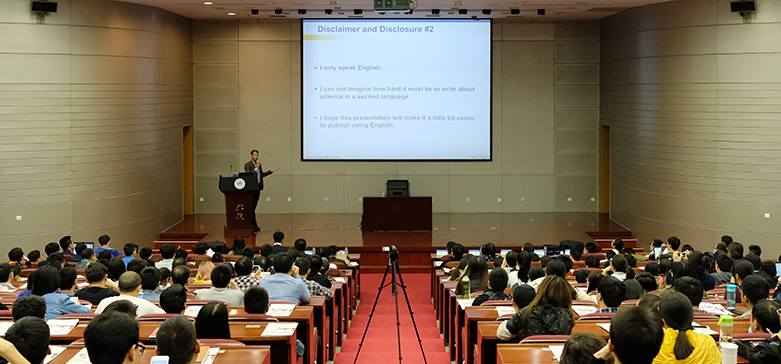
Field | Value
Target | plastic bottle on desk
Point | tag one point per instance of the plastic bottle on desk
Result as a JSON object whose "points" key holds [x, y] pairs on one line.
{"points": [[730, 296], [465, 287], [725, 328]]}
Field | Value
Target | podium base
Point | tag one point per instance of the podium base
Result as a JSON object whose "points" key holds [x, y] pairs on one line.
{"points": [[235, 233]]}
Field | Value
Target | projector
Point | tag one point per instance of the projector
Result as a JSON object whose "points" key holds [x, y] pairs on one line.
{"points": [[391, 6]]}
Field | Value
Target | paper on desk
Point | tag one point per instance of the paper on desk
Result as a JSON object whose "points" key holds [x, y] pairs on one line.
{"points": [[465, 303], [82, 357], [714, 309], [279, 329], [209, 252], [505, 310], [702, 329], [446, 270], [354, 264], [61, 327], [280, 309], [582, 310], [76, 301], [605, 326], [556, 351], [4, 325], [340, 279], [56, 350], [192, 311], [210, 355]]}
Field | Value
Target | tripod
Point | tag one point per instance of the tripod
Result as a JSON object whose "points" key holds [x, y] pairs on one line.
{"points": [[393, 264]]}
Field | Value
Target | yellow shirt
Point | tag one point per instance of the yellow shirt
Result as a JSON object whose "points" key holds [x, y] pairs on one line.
{"points": [[705, 349]]}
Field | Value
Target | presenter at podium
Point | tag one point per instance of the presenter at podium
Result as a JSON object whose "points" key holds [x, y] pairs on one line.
{"points": [[253, 166]]}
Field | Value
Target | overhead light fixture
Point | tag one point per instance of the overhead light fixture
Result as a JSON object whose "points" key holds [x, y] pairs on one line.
{"points": [[231, 14], [329, 11], [302, 11], [358, 11], [462, 11], [515, 11], [434, 11], [208, 3], [278, 11]]}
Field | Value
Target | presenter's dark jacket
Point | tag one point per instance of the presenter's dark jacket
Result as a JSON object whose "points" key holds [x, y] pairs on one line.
{"points": [[249, 167]]}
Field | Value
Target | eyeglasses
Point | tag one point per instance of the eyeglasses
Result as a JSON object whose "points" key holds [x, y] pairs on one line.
{"points": [[141, 348]]}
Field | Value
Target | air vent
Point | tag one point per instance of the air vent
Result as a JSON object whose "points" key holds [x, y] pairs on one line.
{"points": [[605, 10]]}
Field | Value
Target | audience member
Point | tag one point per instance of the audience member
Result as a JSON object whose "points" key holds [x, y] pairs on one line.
{"points": [[647, 281], [692, 289], [279, 239], [558, 268], [300, 245], [458, 253], [46, 285], [115, 268], [87, 257], [68, 277], [168, 251], [99, 285], [457, 272], [740, 270], [764, 319], [180, 275], [755, 249], [550, 313], [67, 246], [523, 295], [735, 251], [123, 306], [723, 269], [652, 268], [112, 338], [6, 276], [204, 273], [150, 278], [34, 256], [30, 305], [283, 285], [582, 276], [256, 300], [105, 255], [145, 253], [243, 269], [576, 252], [315, 289], [104, 241], [488, 252], [753, 289], [700, 263], [265, 250], [49, 249], [610, 294], [633, 289], [200, 247], [619, 269], [212, 321], [76, 257], [180, 254], [477, 271], [173, 299], [265, 263], [592, 261], [649, 301], [137, 265], [129, 289], [176, 338], [618, 245], [529, 248], [580, 347], [593, 280], [131, 252], [680, 341], [497, 283], [591, 248], [222, 278], [16, 256], [30, 336], [636, 336], [315, 274]]}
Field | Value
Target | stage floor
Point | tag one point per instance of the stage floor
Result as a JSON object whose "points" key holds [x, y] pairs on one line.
{"points": [[504, 230]]}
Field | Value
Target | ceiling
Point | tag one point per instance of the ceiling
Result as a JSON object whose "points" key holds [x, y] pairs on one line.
{"points": [[555, 10]]}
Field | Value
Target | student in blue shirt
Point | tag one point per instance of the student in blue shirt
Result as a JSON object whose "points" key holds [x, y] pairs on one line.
{"points": [[46, 285], [131, 252], [104, 242], [150, 278], [284, 284]]}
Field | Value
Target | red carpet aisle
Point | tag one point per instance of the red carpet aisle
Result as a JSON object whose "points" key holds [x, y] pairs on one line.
{"points": [[381, 345]]}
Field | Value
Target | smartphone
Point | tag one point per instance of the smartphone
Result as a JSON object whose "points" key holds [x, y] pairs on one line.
{"points": [[255, 268], [159, 359]]}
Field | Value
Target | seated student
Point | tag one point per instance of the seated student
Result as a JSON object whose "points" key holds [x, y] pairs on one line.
{"points": [[523, 295], [224, 289], [652, 268], [764, 319], [265, 250], [457, 272], [619, 268], [576, 252], [30, 305], [756, 262], [165, 280], [87, 257], [591, 248], [497, 283], [174, 299], [30, 336], [150, 278], [284, 284], [204, 273], [633, 289], [753, 289], [123, 306], [740, 270], [488, 252], [265, 263], [180, 254], [243, 269], [106, 255], [180, 275], [592, 261], [99, 286], [510, 265], [580, 347], [168, 251], [529, 248], [300, 245], [76, 257], [50, 249], [112, 338], [6, 276], [315, 266], [145, 253], [104, 241], [681, 343], [649, 301], [692, 289], [618, 245], [16, 256], [582, 275], [131, 252], [550, 313], [212, 321], [557, 267], [34, 256], [256, 301], [610, 294], [129, 289], [176, 339], [735, 250], [315, 289], [700, 263], [677, 270], [46, 285], [68, 277], [647, 281], [477, 271], [536, 275], [137, 265], [636, 336], [723, 269]]}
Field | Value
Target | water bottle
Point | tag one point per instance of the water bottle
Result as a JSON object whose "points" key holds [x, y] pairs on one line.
{"points": [[730, 296], [346, 251], [725, 328], [465, 287]]}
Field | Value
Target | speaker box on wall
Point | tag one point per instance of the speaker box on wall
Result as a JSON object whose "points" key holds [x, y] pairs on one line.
{"points": [[44, 7], [743, 6]]}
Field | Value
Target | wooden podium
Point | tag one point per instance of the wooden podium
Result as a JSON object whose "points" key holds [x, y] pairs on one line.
{"points": [[396, 213], [238, 203]]}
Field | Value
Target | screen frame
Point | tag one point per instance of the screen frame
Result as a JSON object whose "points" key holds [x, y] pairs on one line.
{"points": [[490, 96]]}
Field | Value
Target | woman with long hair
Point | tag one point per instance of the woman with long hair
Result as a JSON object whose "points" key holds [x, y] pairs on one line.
{"points": [[212, 321], [477, 271], [681, 344], [550, 313]]}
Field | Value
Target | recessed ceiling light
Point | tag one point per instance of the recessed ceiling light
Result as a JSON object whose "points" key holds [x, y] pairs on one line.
{"points": [[231, 14], [208, 3]]}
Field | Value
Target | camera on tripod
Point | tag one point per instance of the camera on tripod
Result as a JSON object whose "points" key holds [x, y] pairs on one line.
{"points": [[393, 254]]}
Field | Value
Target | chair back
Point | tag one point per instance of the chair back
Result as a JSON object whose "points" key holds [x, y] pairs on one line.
{"points": [[80, 316], [494, 303], [597, 316], [539, 339], [252, 317]]}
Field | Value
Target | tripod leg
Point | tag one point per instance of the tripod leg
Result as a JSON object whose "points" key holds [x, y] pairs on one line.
{"points": [[379, 291], [411, 314], [396, 297]]}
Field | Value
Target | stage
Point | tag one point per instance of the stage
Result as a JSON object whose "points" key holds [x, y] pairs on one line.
{"points": [[471, 230]]}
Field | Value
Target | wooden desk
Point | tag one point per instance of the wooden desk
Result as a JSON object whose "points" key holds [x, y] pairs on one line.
{"points": [[534, 354], [227, 354], [283, 349], [396, 213]]}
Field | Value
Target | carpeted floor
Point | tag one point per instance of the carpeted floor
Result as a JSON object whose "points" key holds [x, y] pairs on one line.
{"points": [[380, 345]]}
